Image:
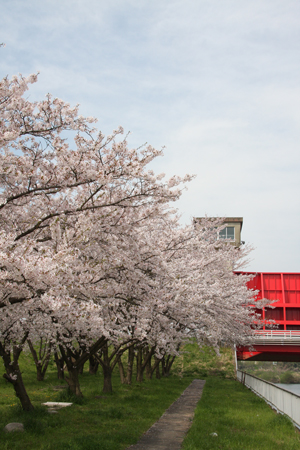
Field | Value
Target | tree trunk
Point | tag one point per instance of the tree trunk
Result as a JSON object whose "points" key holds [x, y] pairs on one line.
{"points": [[130, 361], [74, 359], [107, 384], [157, 372], [93, 365], [107, 370], [80, 369], [167, 364], [39, 373], [13, 375], [42, 359], [73, 371], [73, 381], [121, 370], [163, 366], [148, 368], [139, 365], [60, 366], [155, 368]]}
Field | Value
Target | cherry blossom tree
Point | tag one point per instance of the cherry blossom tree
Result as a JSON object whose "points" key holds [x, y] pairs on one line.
{"points": [[91, 252], [50, 186]]}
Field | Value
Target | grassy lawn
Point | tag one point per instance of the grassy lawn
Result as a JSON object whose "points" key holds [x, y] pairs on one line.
{"points": [[241, 420], [113, 422], [98, 422]]}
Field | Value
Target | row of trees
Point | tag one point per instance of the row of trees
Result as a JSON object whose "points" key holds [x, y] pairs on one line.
{"points": [[92, 253]]}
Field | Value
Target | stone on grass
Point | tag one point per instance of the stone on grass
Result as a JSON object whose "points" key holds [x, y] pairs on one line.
{"points": [[57, 405], [14, 426]]}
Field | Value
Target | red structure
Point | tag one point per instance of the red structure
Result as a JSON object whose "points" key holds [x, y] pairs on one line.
{"points": [[282, 343]]}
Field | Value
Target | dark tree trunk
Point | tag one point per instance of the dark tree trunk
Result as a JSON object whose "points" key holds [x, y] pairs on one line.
{"points": [[130, 361], [74, 359], [163, 366], [147, 358], [108, 362], [121, 370], [42, 359], [139, 365], [170, 364], [80, 369], [167, 363], [157, 372], [93, 365], [73, 371], [155, 368], [59, 361], [107, 370], [73, 381], [107, 384], [13, 375]]}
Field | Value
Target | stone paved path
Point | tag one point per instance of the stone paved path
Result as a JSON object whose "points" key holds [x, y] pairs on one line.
{"points": [[169, 431]]}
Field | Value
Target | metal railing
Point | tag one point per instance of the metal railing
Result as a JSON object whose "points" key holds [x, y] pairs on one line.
{"points": [[276, 333], [283, 401], [291, 337]]}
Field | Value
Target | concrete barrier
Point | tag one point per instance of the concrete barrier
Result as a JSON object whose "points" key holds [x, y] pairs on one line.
{"points": [[280, 399]]}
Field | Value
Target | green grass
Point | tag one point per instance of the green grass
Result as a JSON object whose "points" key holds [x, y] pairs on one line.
{"points": [[114, 422], [204, 362], [241, 420], [110, 422]]}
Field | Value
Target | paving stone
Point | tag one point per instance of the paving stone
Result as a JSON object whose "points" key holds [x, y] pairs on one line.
{"points": [[169, 431], [14, 426]]}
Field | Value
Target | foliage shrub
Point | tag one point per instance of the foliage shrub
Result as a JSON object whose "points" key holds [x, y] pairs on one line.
{"points": [[288, 378], [268, 375]]}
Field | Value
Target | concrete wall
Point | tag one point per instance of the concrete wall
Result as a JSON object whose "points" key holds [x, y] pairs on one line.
{"points": [[284, 401]]}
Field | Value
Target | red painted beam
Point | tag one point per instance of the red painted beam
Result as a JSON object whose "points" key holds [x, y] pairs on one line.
{"points": [[270, 353], [272, 356], [271, 349]]}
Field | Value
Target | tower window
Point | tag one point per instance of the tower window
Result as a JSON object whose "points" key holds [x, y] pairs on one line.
{"points": [[227, 233]]}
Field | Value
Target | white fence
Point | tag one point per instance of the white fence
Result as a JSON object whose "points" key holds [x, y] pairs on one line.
{"points": [[280, 399]]}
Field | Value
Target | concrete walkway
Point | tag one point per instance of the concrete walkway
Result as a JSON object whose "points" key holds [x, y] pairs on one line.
{"points": [[169, 431]]}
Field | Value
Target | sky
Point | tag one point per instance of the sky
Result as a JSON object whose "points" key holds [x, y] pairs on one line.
{"points": [[213, 82]]}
